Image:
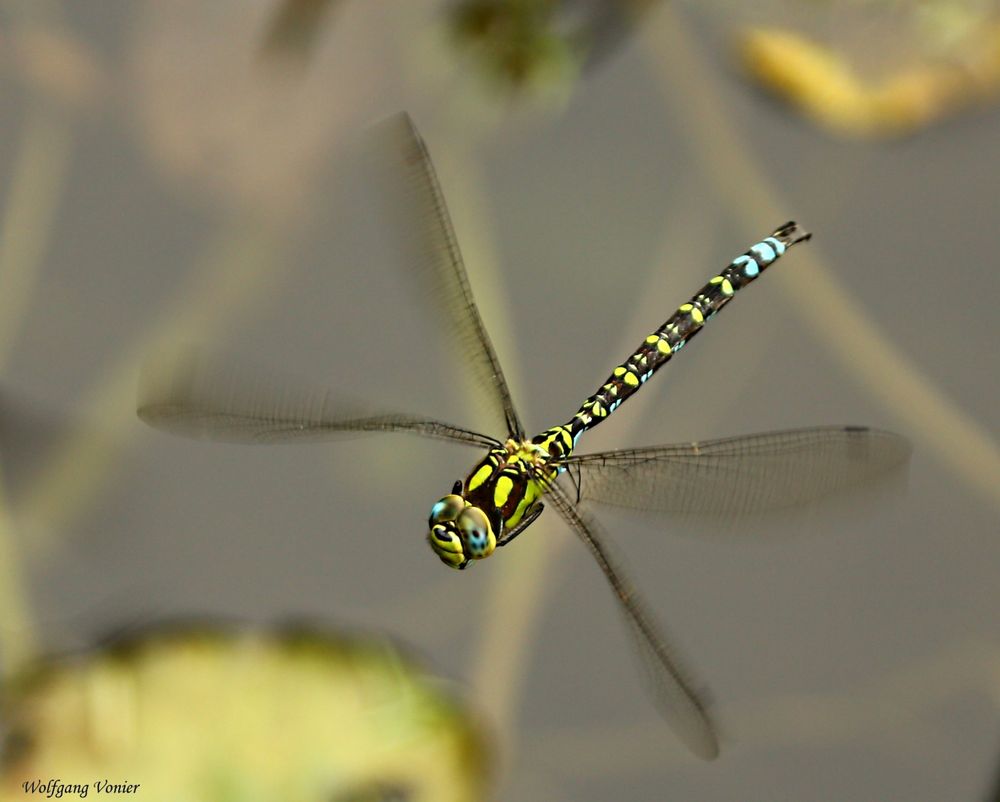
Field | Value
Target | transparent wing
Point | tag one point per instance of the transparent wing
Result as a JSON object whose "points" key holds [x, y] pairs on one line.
{"points": [[672, 690], [410, 184], [740, 475], [195, 395]]}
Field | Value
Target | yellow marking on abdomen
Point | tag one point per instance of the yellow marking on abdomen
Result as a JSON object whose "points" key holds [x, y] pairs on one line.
{"points": [[694, 312]]}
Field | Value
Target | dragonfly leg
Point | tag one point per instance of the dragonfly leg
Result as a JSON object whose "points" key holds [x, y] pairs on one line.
{"points": [[525, 523]]}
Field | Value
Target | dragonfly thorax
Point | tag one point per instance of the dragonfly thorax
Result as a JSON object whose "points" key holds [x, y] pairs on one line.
{"points": [[497, 495]]}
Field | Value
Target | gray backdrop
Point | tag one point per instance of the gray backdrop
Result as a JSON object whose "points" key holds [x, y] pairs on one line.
{"points": [[853, 653]]}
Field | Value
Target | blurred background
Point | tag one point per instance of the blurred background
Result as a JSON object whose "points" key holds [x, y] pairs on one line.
{"points": [[180, 173]]}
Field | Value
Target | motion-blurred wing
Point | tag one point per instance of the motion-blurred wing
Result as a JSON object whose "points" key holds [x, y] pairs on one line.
{"points": [[740, 475], [410, 183], [670, 686], [194, 395]]}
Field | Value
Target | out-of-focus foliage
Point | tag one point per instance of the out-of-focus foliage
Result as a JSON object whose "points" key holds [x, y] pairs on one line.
{"points": [[295, 28], [538, 45], [228, 715], [888, 69], [514, 44]]}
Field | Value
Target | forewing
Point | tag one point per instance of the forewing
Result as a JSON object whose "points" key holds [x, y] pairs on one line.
{"points": [[741, 475], [409, 183], [193, 394]]}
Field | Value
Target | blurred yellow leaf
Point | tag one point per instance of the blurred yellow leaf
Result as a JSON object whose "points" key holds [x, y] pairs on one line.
{"points": [[229, 715], [823, 86]]}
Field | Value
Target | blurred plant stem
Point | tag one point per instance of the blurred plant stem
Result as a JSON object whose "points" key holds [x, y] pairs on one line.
{"points": [[514, 592], [40, 168], [35, 189], [17, 638], [840, 321], [235, 273]]}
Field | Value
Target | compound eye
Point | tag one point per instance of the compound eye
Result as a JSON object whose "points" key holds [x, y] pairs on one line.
{"points": [[474, 527], [447, 509]]}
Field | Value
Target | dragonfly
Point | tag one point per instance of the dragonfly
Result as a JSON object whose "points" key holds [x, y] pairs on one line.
{"points": [[518, 476]]}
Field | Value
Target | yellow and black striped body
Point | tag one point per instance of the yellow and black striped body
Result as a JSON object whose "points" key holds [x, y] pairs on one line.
{"points": [[658, 348], [501, 493], [510, 480], [505, 489]]}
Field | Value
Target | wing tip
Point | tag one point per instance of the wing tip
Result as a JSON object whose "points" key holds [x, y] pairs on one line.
{"points": [[903, 447], [397, 132], [709, 752], [695, 727], [704, 743], [164, 376]]}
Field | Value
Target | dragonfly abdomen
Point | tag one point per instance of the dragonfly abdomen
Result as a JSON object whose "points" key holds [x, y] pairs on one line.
{"points": [[658, 348]]}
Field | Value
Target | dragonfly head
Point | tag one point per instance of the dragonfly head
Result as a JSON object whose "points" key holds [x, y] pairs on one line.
{"points": [[459, 532]]}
